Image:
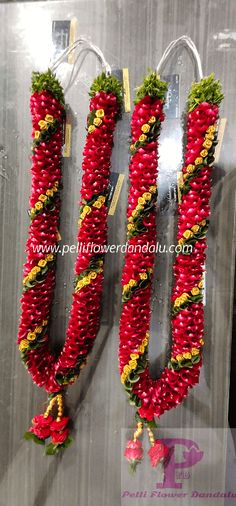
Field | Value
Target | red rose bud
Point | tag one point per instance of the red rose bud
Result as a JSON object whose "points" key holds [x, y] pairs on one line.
{"points": [[60, 437], [158, 453], [60, 425], [134, 453]]}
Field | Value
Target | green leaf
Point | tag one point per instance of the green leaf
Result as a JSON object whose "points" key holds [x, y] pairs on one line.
{"points": [[51, 449], [108, 84], [30, 436], [47, 81], [206, 90], [152, 86], [151, 424], [68, 442]]}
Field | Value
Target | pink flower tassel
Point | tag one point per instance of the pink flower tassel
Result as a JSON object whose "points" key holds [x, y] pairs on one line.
{"points": [[134, 450]]}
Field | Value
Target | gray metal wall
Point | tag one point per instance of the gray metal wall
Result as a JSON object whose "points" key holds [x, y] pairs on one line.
{"points": [[133, 34]]}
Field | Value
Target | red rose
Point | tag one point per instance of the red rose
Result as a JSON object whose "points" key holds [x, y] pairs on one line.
{"points": [[60, 437], [61, 425], [158, 453], [134, 451], [42, 421], [41, 432]]}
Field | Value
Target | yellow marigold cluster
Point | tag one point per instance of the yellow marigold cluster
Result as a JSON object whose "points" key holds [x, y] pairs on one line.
{"points": [[86, 280], [132, 365], [187, 355], [35, 270], [191, 231], [43, 125], [99, 114], [43, 198], [144, 199], [31, 336], [207, 144], [87, 209]]}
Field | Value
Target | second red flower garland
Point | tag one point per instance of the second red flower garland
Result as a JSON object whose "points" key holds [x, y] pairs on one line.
{"points": [[48, 370], [154, 397]]}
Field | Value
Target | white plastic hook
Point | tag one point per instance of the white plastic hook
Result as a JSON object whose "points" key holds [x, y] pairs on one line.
{"points": [[188, 42], [85, 47]]}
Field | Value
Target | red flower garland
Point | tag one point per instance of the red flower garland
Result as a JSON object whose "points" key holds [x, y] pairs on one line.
{"points": [[154, 397], [53, 372]]}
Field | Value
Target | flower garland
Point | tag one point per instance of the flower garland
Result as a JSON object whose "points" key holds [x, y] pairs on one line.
{"points": [[154, 397], [48, 370]]}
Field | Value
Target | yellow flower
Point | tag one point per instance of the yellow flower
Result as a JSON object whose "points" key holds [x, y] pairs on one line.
{"points": [[126, 369], [87, 210], [35, 270], [195, 351], [152, 120], [190, 168], [207, 144], [210, 137], [36, 134], [204, 153], [133, 364], [23, 345], [134, 356], [203, 223], [43, 198], [79, 285], [142, 348], [97, 122], [134, 213], [54, 189], [44, 323], [42, 263], [97, 204], [130, 226], [145, 342], [143, 275], [141, 200], [31, 336], [153, 189], [38, 330], [38, 206], [43, 124], [195, 228], [123, 377], [100, 113], [132, 282], [132, 147], [202, 342], [195, 290], [184, 296], [139, 207], [179, 357], [145, 128], [93, 275], [49, 118], [199, 160], [102, 199], [49, 193], [86, 280], [147, 196], [30, 276], [56, 183], [187, 234], [200, 285], [50, 257], [177, 302], [142, 138], [181, 241], [187, 355], [211, 129], [186, 175], [91, 129]]}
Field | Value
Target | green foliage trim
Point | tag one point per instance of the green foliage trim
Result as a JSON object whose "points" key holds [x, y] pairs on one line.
{"points": [[108, 84], [152, 86], [47, 81], [206, 90]]}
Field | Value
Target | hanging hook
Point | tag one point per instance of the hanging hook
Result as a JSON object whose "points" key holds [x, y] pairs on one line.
{"points": [[85, 46], [183, 40]]}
